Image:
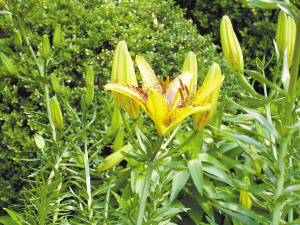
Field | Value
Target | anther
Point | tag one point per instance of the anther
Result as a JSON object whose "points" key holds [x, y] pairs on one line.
{"points": [[187, 90], [181, 93], [181, 83]]}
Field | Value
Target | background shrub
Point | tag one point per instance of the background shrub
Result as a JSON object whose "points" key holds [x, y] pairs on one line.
{"points": [[91, 31]]}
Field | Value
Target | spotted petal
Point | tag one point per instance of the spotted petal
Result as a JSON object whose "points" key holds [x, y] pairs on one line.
{"points": [[158, 110], [178, 115], [131, 91], [150, 81], [205, 90]]}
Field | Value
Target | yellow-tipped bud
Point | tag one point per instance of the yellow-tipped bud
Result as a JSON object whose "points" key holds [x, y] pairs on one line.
{"points": [[132, 109], [39, 141], [282, 32], [254, 164], [18, 38], [116, 121], [57, 36], [8, 65], [190, 66], [8, 18], [292, 39], [89, 75], [56, 114], [245, 196], [55, 84], [46, 50], [89, 95], [230, 46], [118, 143], [122, 72], [114, 159], [202, 119]]}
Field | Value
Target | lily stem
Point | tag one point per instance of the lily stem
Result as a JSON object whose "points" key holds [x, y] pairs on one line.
{"points": [[129, 130], [178, 148]]}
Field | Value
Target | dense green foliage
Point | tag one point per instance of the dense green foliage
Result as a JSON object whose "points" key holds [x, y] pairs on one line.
{"points": [[255, 27], [91, 31]]}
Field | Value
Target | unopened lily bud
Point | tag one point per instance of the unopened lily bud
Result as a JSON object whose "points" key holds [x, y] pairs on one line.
{"points": [[254, 164], [132, 109], [89, 75], [116, 121], [114, 159], [245, 196], [46, 50], [202, 119], [230, 46], [39, 141], [8, 65], [292, 39], [56, 114], [282, 32], [259, 131], [122, 72], [55, 84], [82, 104], [190, 66], [8, 18], [57, 36], [18, 38], [118, 143], [89, 95]]}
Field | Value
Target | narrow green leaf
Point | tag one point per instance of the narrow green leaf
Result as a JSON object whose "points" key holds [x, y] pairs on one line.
{"points": [[195, 167], [6, 220], [134, 176], [179, 180], [292, 188], [208, 158], [14, 215]]}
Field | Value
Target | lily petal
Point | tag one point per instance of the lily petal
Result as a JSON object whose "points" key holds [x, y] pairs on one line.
{"points": [[187, 79], [178, 115], [158, 110], [149, 78], [129, 90], [205, 90]]}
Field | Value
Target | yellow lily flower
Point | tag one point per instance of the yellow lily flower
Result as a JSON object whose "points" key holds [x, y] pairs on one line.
{"points": [[167, 104]]}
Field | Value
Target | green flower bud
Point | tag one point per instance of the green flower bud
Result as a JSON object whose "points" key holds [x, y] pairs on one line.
{"points": [[254, 164], [190, 66], [39, 141], [282, 32], [292, 30], [55, 84], [230, 46], [122, 72], [202, 119], [46, 50], [56, 115], [80, 159], [8, 65], [118, 143], [114, 159], [89, 75], [57, 36], [18, 38], [116, 121], [82, 104], [89, 95], [8, 18], [245, 196]]}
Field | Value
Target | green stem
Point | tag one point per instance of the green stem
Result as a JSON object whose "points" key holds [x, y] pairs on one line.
{"points": [[107, 197], [136, 144], [144, 194], [178, 148], [87, 170], [286, 122]]}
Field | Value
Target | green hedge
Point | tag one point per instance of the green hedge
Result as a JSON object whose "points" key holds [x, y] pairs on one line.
{"points": [[255, 28], [91, 31]]}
